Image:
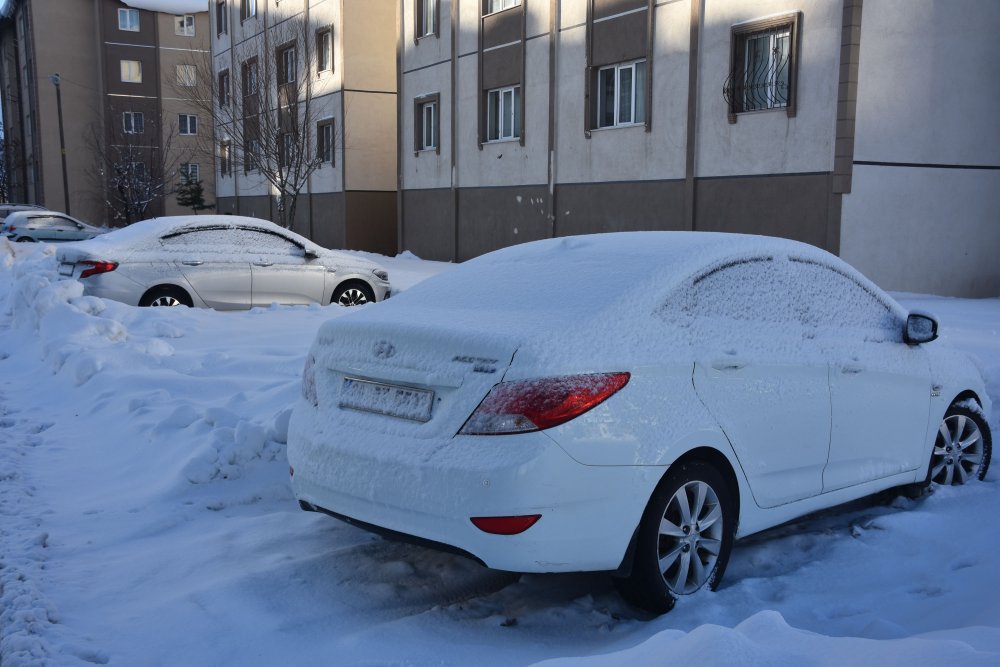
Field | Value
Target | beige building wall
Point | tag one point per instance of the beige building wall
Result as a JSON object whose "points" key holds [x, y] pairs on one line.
{"points": [[74, 55]]}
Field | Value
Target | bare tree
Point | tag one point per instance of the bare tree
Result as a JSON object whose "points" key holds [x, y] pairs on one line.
{"points": [[264, 110], [133, 171]]}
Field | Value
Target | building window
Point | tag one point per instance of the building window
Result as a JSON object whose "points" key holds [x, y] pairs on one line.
{"points": [[427, 17], [137, 170], [250, 79], [187, 123], [427, 125], [224, 88], [187, 75], [324, 50], [287, 64], [225, 159], [131, 71], [621, 94], [133, 122], [491, 6], [221, 24], [184, 25], [128, 19], [190, 172], [503, 114], [250, 154], [324, 141], [763, 62], [248, 9], [287, 149]]}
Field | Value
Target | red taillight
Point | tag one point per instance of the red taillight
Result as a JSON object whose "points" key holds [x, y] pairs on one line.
{"points": [[505, 525], [97, 267], [11, 228], [535, 405]]}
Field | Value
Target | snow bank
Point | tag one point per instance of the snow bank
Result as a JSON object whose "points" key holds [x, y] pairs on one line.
{"points": [[145, 517]]}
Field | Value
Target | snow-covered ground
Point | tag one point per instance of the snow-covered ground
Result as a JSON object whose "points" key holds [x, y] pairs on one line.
{"points": [[146, 519]]}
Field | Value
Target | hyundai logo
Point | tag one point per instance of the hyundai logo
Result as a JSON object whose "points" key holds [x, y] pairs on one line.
{"points": [[384, 349]]}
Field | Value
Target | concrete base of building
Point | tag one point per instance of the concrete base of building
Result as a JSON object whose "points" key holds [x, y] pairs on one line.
{"points": [[350, 221], [446, 225]]}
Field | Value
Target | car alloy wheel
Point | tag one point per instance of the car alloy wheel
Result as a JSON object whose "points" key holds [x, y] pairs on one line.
{"points": [[690, 537], [165, 300], [352, 297], [962, 448]]}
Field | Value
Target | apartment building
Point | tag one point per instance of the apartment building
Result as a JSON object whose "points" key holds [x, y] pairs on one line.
{"points": [[306, 116], [865, 129], [104, 79]]}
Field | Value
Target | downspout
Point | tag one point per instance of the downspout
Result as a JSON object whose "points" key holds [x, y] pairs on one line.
{"points": [[454, 118], [690, 217], [553, 88], [399, 125]]}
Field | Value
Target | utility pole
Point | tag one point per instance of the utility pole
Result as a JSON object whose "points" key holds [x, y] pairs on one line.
{"points": [[54, 78]]}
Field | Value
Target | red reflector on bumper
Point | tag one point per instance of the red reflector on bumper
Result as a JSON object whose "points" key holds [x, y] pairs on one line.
{"points": [[505, 525]]}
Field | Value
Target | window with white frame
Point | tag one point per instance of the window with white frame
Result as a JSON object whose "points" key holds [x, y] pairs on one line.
{"points": [[133, 122], [187, 123], [503, 113], [128, 19], [324, 141], [427, 17], [137, 170], [190, 172], [428, 125], [131, 71], [184, 25], [187, 75], [287, 61], [250, 77], [621, 94], [324, 50], [225, 159], [248, 9], [492, 6]]}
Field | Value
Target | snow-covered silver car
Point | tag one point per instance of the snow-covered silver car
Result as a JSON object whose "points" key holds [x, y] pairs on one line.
{"points": [[222, 262], [659, 395], [49, 226]]}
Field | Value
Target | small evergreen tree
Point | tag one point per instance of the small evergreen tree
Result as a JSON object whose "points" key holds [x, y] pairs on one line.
{"points": [[191, 194]]}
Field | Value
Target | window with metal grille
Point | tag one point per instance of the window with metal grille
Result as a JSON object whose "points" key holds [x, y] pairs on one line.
{"points": [[763, 66]]}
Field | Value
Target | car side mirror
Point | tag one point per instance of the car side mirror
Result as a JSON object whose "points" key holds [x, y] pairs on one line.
{"points": [[920, 328], [309, 253]]}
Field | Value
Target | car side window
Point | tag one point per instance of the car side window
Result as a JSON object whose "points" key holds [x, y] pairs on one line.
{"points": [[265, 243], [835, 301], [214, 240], [750, 290]]}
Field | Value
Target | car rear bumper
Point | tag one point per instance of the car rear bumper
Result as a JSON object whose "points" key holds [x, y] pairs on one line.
{"points": [[430, 489]]}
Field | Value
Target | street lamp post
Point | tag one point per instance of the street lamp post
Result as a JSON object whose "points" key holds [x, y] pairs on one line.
{"points": [[54, 78]]}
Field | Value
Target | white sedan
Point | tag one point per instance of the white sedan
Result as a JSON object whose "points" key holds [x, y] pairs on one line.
{"points": [[629, 402], [221, 262], [34, 225]]}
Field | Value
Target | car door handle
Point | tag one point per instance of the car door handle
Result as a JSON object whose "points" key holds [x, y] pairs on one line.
{"points": [[192, 263], [728, 364], [851, 369], [263, 263]]}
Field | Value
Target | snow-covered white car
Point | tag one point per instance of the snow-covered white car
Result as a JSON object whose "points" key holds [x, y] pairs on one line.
{"points": [[219, 261], [34, 225], [629, 402]]}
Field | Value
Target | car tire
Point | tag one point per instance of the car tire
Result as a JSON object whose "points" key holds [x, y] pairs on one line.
{"points": [[25, 239], [165, 296], [352, 293], [692, 553], [962, 448]]}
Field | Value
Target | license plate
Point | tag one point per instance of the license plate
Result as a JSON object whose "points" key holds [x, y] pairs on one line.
{"points": [[66, 269], [386, 399]]}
